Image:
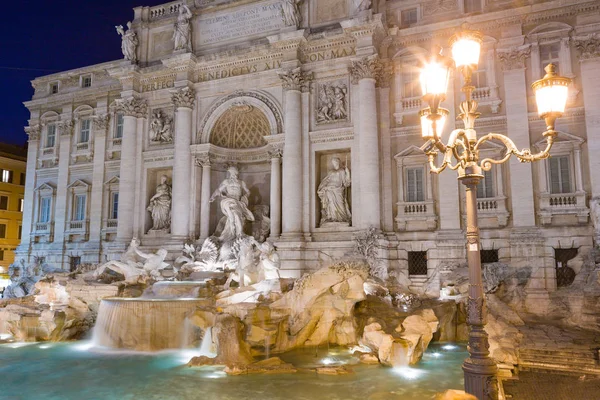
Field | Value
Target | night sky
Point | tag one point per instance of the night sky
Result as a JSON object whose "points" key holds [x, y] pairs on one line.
{"points": [[41, 37]]}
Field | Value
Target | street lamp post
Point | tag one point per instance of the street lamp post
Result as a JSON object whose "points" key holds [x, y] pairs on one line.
{"points": [[463, 147]]}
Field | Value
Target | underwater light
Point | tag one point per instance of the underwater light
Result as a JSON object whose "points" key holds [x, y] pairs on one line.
{"points": [[408, 373], [327, 361], [5, 336], [45, 346], [436, 354], [449, 347], [19, 344]]}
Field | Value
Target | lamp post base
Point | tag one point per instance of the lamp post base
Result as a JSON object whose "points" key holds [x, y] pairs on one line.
{"points": [[480, 378]]}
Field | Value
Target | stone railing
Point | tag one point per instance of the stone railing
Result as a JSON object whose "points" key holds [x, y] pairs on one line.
{"points": [[563, 204], [116, 142], [83, 146], [416, 216], [112, 223], [165, 9], [411, 103], [78, 226], [48, 151], [491, 212], [481, 93], [43, 227]]}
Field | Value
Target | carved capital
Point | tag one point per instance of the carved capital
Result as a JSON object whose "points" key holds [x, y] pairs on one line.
{"points": [[132, 107], [366, 68], [295, 79], [66, 127], [184, 97], [203, 160], [513, 58], [275, 152], [386, 76], [33, 131], [588, 46], [101, 123]]}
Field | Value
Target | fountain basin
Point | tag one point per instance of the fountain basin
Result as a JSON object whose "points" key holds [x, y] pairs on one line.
{"points": [[142, 324]]}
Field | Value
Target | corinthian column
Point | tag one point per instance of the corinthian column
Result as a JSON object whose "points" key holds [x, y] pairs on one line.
{"points": [[183, 99], [589, 49], [131, 108], [275, 192], [294, 81], [204, 162], [100, 128], [365, 73]]}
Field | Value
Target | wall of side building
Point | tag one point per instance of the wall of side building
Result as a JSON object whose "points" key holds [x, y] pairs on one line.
{"points": [[88, 144]]}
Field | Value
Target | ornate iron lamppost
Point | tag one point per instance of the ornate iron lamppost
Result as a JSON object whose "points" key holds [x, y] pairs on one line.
{"points": [[463, 147]]}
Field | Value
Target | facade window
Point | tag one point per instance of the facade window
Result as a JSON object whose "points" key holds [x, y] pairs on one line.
{"points": [[560, 174], [479, 78], [114, 204], [1, 254], [45, 204], [20, 232], [411, 84], [22, 180], [408, 17], [86, 81], [550, 53], [2, 231], [50, 135], [79, 209], [119, 127], [3, 202], [7, 176], [84, 131], [472, 6], [53, 87], [417, 263], [488, 256], [485, 188], [21, 205], [414, 184]]}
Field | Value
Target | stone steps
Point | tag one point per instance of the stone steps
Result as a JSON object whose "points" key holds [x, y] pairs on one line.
{"points": [[563, 361]]}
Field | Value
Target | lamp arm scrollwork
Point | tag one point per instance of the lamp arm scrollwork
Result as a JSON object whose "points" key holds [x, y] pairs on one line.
{"points": [[524, 155]]}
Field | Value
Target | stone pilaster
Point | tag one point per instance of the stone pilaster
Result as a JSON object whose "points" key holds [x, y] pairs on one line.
{"points": [[131, 108], [96, 196], [293, 81], [183, 99], [275, 192], [589, 50], [204, 162], [365, 72], [34, 133], [65, 128], [515, 94]]}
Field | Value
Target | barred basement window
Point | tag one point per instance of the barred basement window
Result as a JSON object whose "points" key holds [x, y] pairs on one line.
{"points": [[74, 263], [417, 263], [488, 256], [565, 275]]}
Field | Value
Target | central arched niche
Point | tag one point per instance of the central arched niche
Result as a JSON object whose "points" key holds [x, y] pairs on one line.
{"points": [[241, 126]]}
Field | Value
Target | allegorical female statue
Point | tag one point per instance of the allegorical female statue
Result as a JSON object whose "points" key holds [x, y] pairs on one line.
{"points": [[160, 206], [332, 192], [183, 30], [290, 12], [129, 42], [234, 205]]}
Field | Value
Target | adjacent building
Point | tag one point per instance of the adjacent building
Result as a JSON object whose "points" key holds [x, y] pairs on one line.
{"points": [[12, 194], [281, 88]]}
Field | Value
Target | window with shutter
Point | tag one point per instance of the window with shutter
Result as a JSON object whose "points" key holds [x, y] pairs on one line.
{"points": [[79, 208], [84, 133], [560, 174], [414, 184], [45, 204], [50, 135], [119, 127], [549, 53], [485, 188]]}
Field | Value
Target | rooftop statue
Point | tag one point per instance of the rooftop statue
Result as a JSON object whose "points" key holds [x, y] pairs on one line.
{"points": [[129, 42], [183, 30], [290, 12], [234, 205]]}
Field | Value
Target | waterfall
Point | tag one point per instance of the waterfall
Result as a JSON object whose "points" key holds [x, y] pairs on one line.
{"points": [[207, 347], [143, 324]]}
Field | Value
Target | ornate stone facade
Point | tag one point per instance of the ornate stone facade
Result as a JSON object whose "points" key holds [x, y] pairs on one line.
{"points": [[282, 94]]}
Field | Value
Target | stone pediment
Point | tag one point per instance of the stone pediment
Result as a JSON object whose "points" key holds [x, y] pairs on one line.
{"points": [[45, 187], [79, 184], [562, 139], [410, 151], [112, 181]]}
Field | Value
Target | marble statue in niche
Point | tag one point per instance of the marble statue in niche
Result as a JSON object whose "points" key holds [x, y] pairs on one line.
{"points": [[182, 36], [129, 42], [234, 205], [160, 206], [290, 12], [161, 128], [332, 104], [332, 193], [362, 5]]}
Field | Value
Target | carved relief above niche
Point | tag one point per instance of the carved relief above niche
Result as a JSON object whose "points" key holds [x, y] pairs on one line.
{"points": [[161, 126], [332, 102]]}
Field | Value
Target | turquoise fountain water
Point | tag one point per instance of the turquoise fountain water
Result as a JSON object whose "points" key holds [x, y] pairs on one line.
{"points": [[65, 371]]}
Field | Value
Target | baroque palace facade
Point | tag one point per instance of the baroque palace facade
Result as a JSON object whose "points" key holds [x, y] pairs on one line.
{"points": [[280, 89]]}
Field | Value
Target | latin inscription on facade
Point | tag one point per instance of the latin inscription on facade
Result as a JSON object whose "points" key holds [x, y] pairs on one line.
{"points": [[243, 22], [158, 84], [228, 72], [328, 54]]}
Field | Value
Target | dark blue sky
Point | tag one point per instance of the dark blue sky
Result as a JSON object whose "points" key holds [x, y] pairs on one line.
{"points": [[40, 37]]}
